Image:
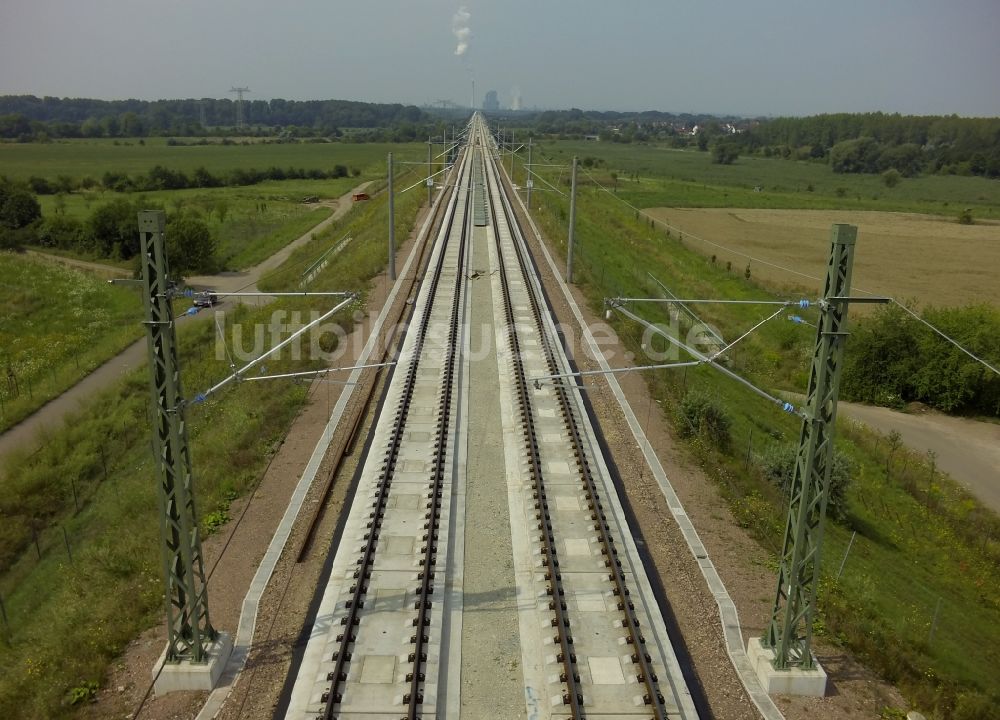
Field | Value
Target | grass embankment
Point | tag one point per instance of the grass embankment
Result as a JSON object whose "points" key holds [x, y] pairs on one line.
{"points": [[688, 178], [70, 619], [920, 538], [56, 325], [78, 159]]}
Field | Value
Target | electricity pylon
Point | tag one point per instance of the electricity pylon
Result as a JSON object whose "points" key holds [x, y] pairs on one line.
{"points": [[789, 633], [240, 119]]}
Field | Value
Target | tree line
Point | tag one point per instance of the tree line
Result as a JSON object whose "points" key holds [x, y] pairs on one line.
{"points": [[614, 126], [162, 178], [110, 231], [850, 142], [30, 118], [877, 142]]}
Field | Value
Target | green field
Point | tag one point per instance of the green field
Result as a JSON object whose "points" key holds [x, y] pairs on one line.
{"points": [[250, 223], [921, 539], [73, 611], [71, 619], [92, 158], [56, 325], [688, 178]]}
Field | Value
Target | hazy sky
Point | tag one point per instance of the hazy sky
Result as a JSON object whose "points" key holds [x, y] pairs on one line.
{"points": [[767, 57]]}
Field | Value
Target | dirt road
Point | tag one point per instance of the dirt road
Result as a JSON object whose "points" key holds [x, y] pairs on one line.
{"points": [[25, 434], [102, 269], [968, 450]]}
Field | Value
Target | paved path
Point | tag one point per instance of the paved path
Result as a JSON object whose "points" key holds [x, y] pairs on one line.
{"points": [[51, 415], [968, 450]]}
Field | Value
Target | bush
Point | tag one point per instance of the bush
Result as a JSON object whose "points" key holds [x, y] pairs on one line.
{"points": [[965, 217], [18, 206], [893, 359], [703, 416], [725, 153], [891, 177], [777, 464], [61, 232], [190, 244], [40, 186]]}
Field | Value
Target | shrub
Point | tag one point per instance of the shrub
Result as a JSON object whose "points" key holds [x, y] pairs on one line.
{"points": [[965, 217], [61, 232], [777, 464], [82, 693], [725, 153], [18, 206], [893, 359], [976, 706], [891, 177], [703, 416]]}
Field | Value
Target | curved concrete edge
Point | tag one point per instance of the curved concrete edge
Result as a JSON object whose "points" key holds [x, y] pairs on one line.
{"points": [[251, 603], [727, 608]]}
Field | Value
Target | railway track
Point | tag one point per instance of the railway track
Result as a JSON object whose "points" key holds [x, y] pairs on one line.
{"points": [[383, 644]]}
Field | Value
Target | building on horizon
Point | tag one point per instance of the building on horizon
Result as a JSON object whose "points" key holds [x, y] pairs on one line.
{"points": [[516, 103], [490, 102]]}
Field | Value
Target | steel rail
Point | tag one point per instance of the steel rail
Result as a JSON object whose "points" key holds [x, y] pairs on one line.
{"points": [[639, 656], [570, 676], [334, 697], [433, 516]]}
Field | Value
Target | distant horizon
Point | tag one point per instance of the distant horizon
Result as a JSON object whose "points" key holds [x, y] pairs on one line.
{"points": [[525, 110], [773, 58]]}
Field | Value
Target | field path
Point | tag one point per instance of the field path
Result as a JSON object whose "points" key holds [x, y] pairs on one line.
{"points": [[108, 271], [26, 434]]}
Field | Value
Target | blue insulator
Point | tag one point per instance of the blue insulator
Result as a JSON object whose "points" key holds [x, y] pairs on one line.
{"points": [[199, 398], [788, 407], [804, 303]]}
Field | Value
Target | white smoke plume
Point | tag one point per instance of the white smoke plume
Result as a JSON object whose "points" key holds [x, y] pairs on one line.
{"points": [[460, 29]]}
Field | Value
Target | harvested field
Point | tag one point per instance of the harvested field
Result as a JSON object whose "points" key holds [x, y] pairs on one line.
{"points": [[929, 258]]}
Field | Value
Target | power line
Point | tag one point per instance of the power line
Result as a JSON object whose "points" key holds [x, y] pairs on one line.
{"points": [[786, 406], [948, 338]]}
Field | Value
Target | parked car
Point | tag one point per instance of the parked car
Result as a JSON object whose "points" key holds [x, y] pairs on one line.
{"points": [[205, 299]]}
